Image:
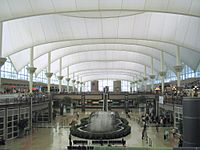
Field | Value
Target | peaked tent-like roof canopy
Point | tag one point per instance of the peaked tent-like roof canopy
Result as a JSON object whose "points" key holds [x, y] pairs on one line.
{"points": [[100, 38]]}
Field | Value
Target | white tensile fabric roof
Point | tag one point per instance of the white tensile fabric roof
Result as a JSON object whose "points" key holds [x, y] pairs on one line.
{"points": [[100, 39]]}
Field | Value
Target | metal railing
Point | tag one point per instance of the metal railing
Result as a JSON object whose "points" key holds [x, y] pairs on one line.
{"points": [[23, 100]]}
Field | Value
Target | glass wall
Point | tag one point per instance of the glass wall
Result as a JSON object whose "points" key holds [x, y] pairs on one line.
{"points": [[125, 86], [103, 83], [9, 71], [87, 86]]}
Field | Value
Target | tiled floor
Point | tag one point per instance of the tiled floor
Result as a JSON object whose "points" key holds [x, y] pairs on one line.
{"points": [[55, 137]]}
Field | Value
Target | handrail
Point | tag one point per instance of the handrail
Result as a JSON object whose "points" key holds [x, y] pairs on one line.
{"points": [[23, 100]]}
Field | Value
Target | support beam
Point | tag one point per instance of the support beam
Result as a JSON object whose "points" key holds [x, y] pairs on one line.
{"points": [[131, 87], [136, 85], [31, 69], [68, 79], [73, 82], [178, 68], [2, 60], [49, 74], [162, 72], [78, 82], [83, 86], [60, 77], [60, 82], [152, 76], [145, 78], [31, 115]]}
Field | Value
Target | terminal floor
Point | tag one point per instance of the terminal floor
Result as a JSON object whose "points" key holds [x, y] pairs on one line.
{"points": [[54, 136]]}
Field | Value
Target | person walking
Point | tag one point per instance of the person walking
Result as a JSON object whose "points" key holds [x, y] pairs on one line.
{"points": [[166, 134], [144, 134], [70, 140], [180, 144], [157, 126]]}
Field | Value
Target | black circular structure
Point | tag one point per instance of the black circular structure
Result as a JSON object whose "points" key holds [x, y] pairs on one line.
{"points": [[101, 125]]}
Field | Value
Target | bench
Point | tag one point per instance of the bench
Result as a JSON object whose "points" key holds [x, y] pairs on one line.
{"points": [[80, 147], [80, 142]]}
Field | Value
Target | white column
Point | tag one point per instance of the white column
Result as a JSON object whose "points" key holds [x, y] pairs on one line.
{"points": [[162, 71], [81, 85], [152, 76], [145, 78], [1, 37], [178, 68], [2, 60], [73, 81], [49, 70], [68, 79], [136, 85], [49, 74], [131, 87], [60, 77], [31, 74], [77, 83], [31, 69], [49, 62]]}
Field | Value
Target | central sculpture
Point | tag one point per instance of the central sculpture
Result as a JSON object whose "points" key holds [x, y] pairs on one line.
{"points": [[102, 121], [102, 124]]}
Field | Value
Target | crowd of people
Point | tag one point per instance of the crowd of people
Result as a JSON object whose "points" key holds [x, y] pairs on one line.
{"points": [[158, 122]]}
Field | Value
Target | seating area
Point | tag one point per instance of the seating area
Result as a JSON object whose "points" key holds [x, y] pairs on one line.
{"points": [[80, 142], [109, 142], [80, 147], [101, 142]]}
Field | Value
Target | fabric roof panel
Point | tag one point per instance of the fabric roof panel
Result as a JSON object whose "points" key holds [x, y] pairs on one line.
{"points": [[38, 6], [179, 5], [107, 4], [195, 7], [192, 36], [156, 5], [130, 4], [63, 5], [110, 27], [5, 10], [20, 8], [87, 4]]}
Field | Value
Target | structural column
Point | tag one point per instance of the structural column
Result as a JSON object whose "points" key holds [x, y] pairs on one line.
{"points": [[140, 84], [2, 60], [136, 86], [145, 78], [60, 77], [49, 74], [73, 82], [152, 76], [31, 70], [31, 115], [81, 87], [68, 79], [131, 87], [178, 68], [78, 82], [162, 73]]}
